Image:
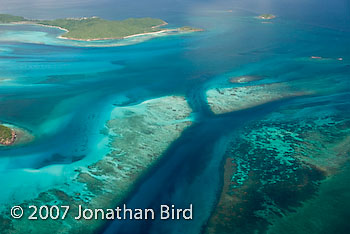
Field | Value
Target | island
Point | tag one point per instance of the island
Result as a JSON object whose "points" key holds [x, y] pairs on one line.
{"points": [[95, 28], [189, 29], [6, 18], [12, 135], [266, 16], [7, 135]]}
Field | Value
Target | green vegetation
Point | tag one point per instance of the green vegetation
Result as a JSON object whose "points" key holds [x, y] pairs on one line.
{"points": [[267, 16], [5, 18], [94, 28], [189, 29], [5, 134]]}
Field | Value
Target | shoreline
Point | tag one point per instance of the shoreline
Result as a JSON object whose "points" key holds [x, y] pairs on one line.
{"points": [[106, 38], [20, 136], [36, 24], [93, 39], [113, 38]]}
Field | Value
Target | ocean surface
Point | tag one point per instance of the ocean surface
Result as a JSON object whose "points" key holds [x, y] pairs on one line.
{"points": [[64, 93]]}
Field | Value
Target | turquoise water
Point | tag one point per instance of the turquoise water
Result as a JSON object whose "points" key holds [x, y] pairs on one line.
{"points": [[64, 92]]}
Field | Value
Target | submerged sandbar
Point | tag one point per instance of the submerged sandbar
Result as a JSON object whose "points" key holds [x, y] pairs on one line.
{"points": [[224, 100], [139, 135]]}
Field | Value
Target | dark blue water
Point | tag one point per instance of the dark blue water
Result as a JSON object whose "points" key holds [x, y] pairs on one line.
{"points": [[64, 94]]}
